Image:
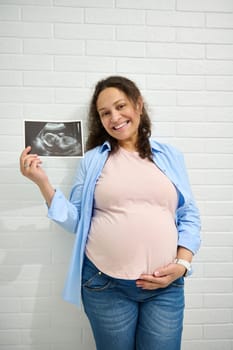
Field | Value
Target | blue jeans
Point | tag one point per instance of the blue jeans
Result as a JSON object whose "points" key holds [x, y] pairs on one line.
{"points": [[125, 317]]}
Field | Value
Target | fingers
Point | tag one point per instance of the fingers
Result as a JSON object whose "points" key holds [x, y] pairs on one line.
{"points": [[150, 282], [161, 278], [28, 161]]}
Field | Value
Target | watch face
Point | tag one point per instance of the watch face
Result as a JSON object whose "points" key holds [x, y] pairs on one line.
{"points": [[189, 272]]}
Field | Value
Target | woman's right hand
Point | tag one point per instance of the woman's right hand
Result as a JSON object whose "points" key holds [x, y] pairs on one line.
{"points": [[30, 166]]}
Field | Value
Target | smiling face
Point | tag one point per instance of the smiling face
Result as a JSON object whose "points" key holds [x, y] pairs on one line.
{"points": [[119, 116]]}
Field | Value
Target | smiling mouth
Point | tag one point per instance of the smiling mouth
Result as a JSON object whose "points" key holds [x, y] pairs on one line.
{"points": [[120, 126]]}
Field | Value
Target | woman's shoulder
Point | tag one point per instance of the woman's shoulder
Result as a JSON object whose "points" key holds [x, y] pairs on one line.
{"points": [[95, 154], [164, 148]]}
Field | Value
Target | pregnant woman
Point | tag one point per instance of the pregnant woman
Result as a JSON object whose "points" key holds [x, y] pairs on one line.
{"points": [[136, 223]]}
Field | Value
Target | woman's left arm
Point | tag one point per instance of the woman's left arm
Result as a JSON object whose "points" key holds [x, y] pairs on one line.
{"points": [[188, 227]]}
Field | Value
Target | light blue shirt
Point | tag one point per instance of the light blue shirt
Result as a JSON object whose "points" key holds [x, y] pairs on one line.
{"points": [[75, 214]]}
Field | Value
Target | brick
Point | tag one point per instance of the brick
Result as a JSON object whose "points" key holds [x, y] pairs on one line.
{"points": [[114, 16], [25, 289], [205, 145], [10, 45], [9, 337], [10, 305], [53, 46], [212, 239], [218, 300], [9, 13], [54, 79], [223, 193], [218, 331], [93, 77], [52, 14], [147, 4], [217, 224], [216, 130], [206, 67], [207, 344], [195, 35], [160, 98], [80, 64], [27, 2], [145, 66], [175, 19], [85, 3], [219, 20], [205, 98], [193, 301], [11, 78], [169, 50], [53, 111], [145, 33], [177, 113], [83, 31], [111, 48], [10, 242], [215, 255], [207, 5], [27, 305], [216, 114], [223, 83], [17, 95], [192, 332], [26, 62], [175, 82], [224, 52], [213, 208], [28, 257], [209, 286], [24, 30], [42, 336], [24, 321], [207, 316], [219, 270], [211, 177], [71, 95]]}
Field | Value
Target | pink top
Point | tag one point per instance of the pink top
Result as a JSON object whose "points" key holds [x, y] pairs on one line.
{"points": [[133, 227]]}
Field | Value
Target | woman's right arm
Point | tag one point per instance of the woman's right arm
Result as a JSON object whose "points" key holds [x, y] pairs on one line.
{"points": [[64, 212]]}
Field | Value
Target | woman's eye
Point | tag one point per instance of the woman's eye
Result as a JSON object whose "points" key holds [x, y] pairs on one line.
{"points": [[105, 114], [121, 106]]}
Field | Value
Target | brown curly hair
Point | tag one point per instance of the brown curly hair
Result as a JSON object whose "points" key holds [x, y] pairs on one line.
{"points": [[98, 135]]}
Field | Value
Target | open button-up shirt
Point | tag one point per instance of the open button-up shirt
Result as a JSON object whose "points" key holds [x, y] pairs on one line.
{"points": [[75, 214]]}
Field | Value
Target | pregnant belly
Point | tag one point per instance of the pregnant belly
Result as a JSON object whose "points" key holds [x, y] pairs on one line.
{"points": [[124, 246]]}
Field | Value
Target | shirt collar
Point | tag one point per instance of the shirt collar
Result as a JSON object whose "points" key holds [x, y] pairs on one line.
{"points": [[155, 146]]}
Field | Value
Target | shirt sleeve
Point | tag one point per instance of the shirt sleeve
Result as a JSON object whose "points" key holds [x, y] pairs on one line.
{"points": [[188, 216], [189, 226], [66, 212]]}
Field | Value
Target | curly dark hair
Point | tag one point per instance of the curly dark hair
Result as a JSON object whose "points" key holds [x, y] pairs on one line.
{"points": [[98, 135]]}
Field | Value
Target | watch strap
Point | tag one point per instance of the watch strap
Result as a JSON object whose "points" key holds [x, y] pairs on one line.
{"points": [[184, 263]]}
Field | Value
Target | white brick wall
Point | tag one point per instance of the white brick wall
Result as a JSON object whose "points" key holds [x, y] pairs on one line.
{"points": [[180, 52]]}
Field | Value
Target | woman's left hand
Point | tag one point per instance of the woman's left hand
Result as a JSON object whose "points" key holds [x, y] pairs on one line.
{"points": [[162, 277]]}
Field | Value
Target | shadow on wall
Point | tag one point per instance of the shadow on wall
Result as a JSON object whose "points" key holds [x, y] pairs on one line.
{"points": [[33, 272], [34, 262]]}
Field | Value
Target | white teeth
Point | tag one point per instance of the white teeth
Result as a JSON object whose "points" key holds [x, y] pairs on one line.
{"points": [[120, 126]]}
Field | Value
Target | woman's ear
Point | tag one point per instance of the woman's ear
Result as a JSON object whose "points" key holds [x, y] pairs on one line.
{"points": [[139, 105]]}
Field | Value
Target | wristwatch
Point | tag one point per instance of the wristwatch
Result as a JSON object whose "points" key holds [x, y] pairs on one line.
{"points": [[186, 264]]}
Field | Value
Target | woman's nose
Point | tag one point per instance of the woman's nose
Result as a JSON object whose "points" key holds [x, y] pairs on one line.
{"points": [[114, 116]]}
